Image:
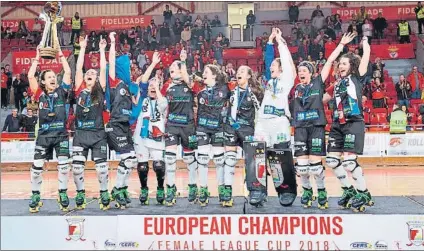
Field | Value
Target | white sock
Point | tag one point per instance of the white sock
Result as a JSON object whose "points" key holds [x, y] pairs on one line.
{"points": [[102, 170], [229, 169], [171, 166], [63, 172], [121, 173], [302, 169], [190, 160], [341, 174], [36, 179], [220, 174]]}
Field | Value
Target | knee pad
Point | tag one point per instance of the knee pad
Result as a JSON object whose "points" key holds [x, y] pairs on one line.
{"points": [[316, 169], [128, 161], [302, 167], [170, 158], [158, 166], [101, 166], [38, 164], [203, 159], [63, 164], [189, 158], [350, 164], [77, 167], [332, 161], [143, 166], [219, 159], [230, 158]]}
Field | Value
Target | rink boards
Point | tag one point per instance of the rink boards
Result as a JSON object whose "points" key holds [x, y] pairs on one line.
{"points": [[395, 223]]}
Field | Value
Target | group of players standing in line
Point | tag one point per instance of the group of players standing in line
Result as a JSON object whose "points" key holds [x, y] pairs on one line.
{"points": [[227, 117]]}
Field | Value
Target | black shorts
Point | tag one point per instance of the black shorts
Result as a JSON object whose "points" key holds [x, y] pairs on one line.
{"points": [[347, 137], [213, 137], [59, 143], [186, 136], [309, 141], [94, 140], [119, 137], [234, 137]]}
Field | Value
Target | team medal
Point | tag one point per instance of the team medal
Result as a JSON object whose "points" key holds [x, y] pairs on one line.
{"points": [[51, 114], [86, 110]]}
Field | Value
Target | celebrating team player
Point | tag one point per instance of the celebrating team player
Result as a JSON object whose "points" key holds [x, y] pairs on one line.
{"points": [[149, 135], [347, 132], [89, 127], [52, 134]]}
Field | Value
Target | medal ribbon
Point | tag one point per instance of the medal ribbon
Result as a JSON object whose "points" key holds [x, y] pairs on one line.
{"points": [[50, 99]]}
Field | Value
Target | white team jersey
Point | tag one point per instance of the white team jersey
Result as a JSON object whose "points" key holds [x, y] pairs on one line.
{"points": [[275, 103], [156, 113]]}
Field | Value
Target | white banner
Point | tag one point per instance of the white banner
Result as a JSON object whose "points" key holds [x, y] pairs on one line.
{"points": [[17, 151], [218, 232], [373, 145], [405, 144]]}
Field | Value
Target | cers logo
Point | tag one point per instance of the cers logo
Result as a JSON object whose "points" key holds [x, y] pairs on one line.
{"points": [[361, 245], [129, 244]]}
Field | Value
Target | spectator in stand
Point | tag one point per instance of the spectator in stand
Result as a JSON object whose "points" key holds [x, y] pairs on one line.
{"points": [[218, 52], [32, 104], [132, 34], [198, 21], [206, 20], [330, 33], [140, 32], [146, 65], [76, 23], [29, 121], [251, 18], [306, 27], [378, 90], [178, 28], [367, 30], [137, 47], [141, 59], [36, 30], [303, 49], [22, 30], [314, 49], [320, 62], [231, 73], [293, 13], [3, 88], [403, 32], [125, 47], [419, 11], [25, 101], [19, 87], [378, 69], [337, 24], [37, 71], [216, 22], [93, 42], [167, 59], [165, 34], [318, 22], [316, 12], [77, 49], [416, 79], [360, 18], [167, 15], [380, 24], [123, 36], [398, 120], [353, 28], [404, 91], [186, 35], [8, 33], [152, 29], [179, 16], [207, 32], [321, 37], [188, 19], [103, 33], [13, 122]]}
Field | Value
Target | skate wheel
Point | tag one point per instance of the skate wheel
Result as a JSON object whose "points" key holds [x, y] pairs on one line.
{"points": [[314, 198], [371, 203], [34, 210], [325, 206], [40, 204], [362, 209], [161, 202]]}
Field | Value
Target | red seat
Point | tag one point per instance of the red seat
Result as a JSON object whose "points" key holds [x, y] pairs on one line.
{"points": [[379, 110], [252, 61], [382, 117], [367, 118], [415, 102], [374, 120], [241, 62]]}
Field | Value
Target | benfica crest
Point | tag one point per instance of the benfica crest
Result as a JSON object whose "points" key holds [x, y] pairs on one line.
{"points": [[75, 229], [415, 233]]}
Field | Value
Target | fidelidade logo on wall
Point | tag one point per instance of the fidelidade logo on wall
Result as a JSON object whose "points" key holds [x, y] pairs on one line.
{"points": [[75, 229], [415, 233]]}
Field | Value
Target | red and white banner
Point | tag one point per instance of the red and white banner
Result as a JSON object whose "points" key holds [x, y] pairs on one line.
{"points": [[242, 53], [216, 232], [91, 23], [23, 59], [389, 12]]}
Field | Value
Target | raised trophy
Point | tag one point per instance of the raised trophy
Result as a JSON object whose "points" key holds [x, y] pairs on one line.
{"points": [[50, 42]]}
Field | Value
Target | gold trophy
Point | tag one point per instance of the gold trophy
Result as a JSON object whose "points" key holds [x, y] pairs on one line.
{"points": [[50, 42]]}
